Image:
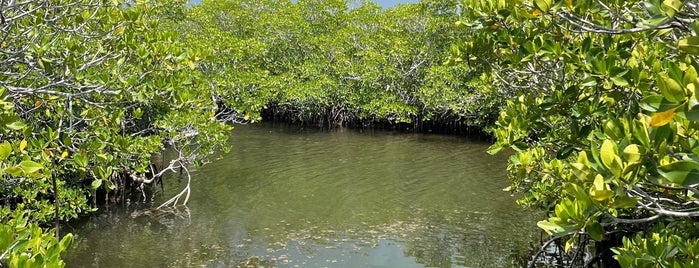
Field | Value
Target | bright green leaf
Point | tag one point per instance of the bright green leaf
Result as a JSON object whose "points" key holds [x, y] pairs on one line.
{"points": [[30, 167], [5, 150], [670, 89], [17, 125], [608, 152], [96, 183], [619, 81]]}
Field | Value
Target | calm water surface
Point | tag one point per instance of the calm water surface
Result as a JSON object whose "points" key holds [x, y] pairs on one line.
{"points": [[286, 197]]}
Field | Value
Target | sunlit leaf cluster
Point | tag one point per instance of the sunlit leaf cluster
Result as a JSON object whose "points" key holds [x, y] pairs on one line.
{"points": [[602, 115]]}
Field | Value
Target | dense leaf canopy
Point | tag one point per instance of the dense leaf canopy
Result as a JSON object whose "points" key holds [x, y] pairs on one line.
{"points": [[596, 99]]}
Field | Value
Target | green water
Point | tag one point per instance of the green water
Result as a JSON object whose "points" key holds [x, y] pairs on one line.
{"points": [[309, 198]]}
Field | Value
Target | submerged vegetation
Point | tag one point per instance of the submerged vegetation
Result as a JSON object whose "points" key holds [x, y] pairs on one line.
{"points": [[596, 98]]}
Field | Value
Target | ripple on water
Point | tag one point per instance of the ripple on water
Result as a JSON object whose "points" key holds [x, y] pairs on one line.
{"points": [[336, 199]]}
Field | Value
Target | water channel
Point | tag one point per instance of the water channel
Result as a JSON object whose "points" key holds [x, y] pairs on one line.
{"points": [[290, 197]]}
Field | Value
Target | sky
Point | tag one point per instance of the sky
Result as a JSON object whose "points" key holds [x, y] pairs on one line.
{"points": [[392, 3]]}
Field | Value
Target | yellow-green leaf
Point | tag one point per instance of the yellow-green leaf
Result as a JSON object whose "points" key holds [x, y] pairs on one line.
{"points": [[30, 167], [689, 44], [632, 153], [22, 144], [600, 190], [671, 7], [608, 152], [690, 76], [543, 5], [5, 150], [14, 171], [671, 90]]}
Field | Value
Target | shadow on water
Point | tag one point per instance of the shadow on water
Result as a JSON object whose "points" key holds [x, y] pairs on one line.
{"points": [[309, 198]]}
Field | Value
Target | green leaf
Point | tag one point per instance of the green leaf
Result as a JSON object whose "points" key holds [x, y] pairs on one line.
{"points": [[685, 172], [137, 113], [657, 103], [613, 129], [619, 81], [671, 7], [17, 125], [553, 228], [30, 167], [632, 153], [623, 201], [640, 132], [596, 231], [690, 76], [5, 150], [564, 152], [543, 5], [110, 185], [600, 190], [96, 183], [689, 44], [590, 81], [66, 242], [670, 89], [693, 114], [13, 171], [608, 152]]}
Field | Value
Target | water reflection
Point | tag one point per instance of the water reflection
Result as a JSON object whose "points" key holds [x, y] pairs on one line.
{"points": [[291, 198]]}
